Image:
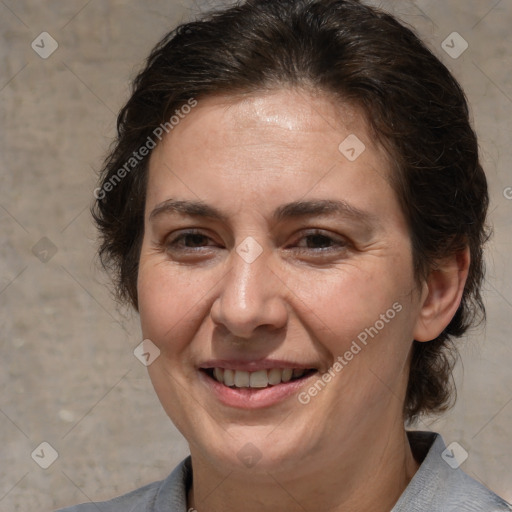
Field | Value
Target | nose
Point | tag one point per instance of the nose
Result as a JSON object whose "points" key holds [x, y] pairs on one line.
{"points": [[251, 297]]}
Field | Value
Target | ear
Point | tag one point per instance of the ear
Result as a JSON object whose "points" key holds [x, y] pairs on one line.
{"points": [[441, 295]]}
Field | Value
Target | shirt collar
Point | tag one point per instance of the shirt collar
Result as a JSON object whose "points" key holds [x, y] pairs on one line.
{"points": [[436, 486]]}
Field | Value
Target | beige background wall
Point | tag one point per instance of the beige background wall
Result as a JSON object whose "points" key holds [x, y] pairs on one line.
{"points": [[67, 373]]}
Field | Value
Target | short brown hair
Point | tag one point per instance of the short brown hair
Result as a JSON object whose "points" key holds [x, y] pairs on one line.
{"points": [[363, 56]]}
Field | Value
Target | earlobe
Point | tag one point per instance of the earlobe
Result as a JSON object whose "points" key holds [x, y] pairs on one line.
{"points": [[441, 295]]}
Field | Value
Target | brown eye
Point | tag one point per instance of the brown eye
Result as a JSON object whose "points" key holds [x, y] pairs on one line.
{"points": [[320, 241], [188, 240]]}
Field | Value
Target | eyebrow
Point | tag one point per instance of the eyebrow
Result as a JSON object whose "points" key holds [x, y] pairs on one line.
{"points": [[295, 209]]}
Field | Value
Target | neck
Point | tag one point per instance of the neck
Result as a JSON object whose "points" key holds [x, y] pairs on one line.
{"points": [[369, 477]]}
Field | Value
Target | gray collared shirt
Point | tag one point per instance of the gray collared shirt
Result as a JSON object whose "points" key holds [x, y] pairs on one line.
{"points": [[436, 487]]}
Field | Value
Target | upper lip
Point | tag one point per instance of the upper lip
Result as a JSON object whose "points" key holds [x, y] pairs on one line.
{"points": [[253, 366]]}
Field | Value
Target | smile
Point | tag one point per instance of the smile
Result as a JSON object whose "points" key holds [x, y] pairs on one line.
{"points": [[255, 388], [257, 379]]}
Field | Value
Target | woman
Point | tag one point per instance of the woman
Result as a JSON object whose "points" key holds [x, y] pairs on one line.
{"points": [[296, 208]]}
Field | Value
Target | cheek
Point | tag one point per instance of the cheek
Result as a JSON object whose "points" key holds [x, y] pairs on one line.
{"points": [[168, 304], [368, 322], [346, 303], [152, 296]]}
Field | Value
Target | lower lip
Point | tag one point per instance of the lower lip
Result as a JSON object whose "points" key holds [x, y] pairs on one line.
{"points": [[253, 398]]}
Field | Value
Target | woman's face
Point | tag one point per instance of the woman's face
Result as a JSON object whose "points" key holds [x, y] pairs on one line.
{"points": [[271, 252]]}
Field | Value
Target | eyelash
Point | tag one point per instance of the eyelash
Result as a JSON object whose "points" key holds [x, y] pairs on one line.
{"points": [[341, 243]]}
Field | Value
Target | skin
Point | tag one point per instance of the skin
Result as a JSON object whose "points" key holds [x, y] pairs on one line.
{"points": [[303, 300]]}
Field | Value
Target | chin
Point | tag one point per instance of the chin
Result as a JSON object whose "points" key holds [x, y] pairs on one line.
{"points": [[258, 450]]}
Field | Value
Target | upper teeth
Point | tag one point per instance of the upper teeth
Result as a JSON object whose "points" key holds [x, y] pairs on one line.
{"points": [[259, 379]]}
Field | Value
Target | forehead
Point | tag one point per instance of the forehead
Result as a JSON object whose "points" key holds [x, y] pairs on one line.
{"points": [[288, 109], [260, 146], [282, 115]]}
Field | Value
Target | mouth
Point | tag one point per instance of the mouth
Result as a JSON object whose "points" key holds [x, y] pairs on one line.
{"points": [[259, 379], [252, 386]]}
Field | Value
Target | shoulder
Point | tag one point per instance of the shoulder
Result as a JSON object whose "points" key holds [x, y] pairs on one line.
{"points": [[470, 495], [141, 499], [440, 484], [154, 497]]}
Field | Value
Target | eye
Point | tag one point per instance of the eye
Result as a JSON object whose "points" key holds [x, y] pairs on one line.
{"points": [[313, 242], [187, 240], [320, 242]]}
